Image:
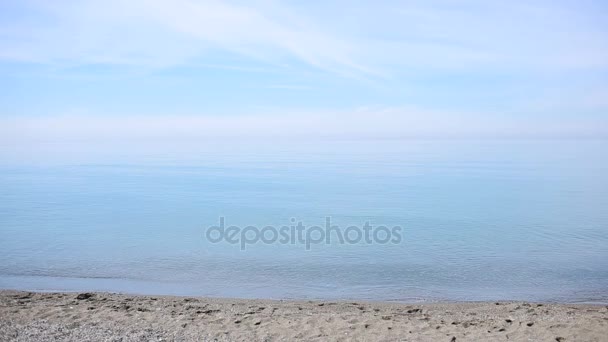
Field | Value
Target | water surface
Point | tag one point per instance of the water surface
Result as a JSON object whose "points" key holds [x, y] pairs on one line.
{"points": [[482, 220]]}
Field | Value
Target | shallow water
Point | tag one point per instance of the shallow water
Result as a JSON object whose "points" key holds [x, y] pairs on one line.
{"points": [[481, 220]]}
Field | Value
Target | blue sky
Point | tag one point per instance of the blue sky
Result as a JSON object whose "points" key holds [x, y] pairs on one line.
{"points": [[348, 68]]}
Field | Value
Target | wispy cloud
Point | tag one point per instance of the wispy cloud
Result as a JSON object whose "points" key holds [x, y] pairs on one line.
{"points": [[445, 68], [160, 33], [346, 38]]}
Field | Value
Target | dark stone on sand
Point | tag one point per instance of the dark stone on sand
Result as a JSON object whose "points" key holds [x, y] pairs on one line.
{"points": [[85, 295]]}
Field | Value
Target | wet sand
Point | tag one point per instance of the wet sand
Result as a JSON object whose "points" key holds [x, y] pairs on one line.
{"points": [[26, 316]]}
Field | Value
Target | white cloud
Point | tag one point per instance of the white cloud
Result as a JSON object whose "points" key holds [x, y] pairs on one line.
{"points": [[347, 38], [160, 33]]}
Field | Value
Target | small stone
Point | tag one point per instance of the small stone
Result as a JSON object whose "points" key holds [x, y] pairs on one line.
{"points": [[85, 295]]}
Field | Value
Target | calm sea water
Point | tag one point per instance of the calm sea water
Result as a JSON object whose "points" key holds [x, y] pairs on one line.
{"points": [[486, 220]]}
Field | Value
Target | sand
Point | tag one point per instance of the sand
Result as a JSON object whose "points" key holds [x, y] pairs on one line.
{"points": [[26, 316]]}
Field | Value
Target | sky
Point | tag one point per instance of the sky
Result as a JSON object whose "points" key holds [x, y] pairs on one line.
{"points": [[151, 69]]}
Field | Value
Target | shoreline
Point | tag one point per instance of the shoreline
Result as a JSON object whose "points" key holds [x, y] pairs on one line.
{"points": [[73, 316], [151, 288]]}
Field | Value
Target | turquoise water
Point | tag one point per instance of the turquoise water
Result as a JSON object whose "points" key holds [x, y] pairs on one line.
{"points": [[481, 220]]}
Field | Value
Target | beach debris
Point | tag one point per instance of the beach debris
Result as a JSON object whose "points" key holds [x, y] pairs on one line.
{"points": [[26, 296], [209, 311], [453, 339], [85, 295], [530, 324]]}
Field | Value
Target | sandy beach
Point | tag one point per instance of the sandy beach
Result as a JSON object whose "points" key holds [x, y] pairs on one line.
{"points": [[27, 316]]}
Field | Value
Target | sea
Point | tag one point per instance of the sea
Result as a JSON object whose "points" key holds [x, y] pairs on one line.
{"points": [[451, 220]]}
